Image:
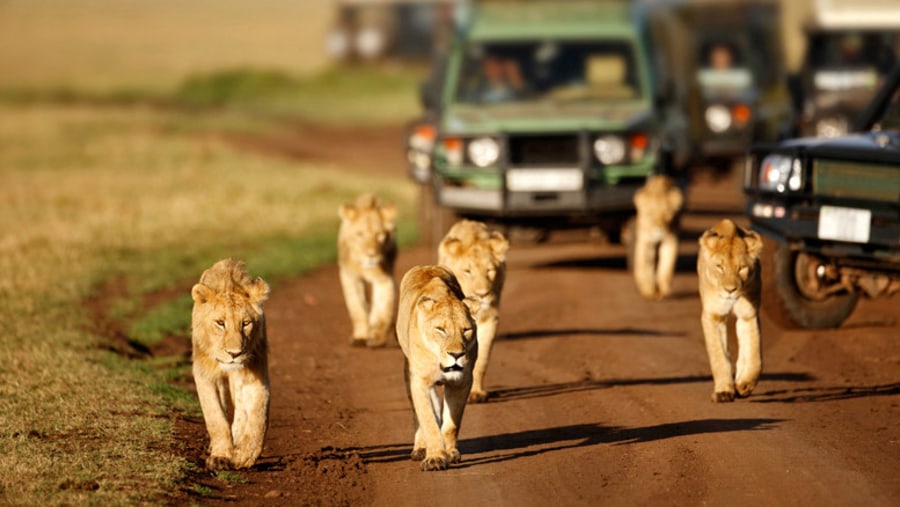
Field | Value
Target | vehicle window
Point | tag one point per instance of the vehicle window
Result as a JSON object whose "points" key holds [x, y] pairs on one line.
{"points": [[854, 50], [555, 71]]}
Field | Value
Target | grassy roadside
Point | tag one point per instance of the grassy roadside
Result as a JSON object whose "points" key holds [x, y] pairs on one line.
{"points": [[143, 198]]}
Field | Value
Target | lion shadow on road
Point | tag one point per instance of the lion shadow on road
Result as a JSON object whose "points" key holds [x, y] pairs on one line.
{"points": [[555, 333], [504, 394], [509, 446], [686, 263], [832, 393]]}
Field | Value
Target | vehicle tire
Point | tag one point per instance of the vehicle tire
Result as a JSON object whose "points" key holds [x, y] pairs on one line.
{"points": [[434, 219], [785, 303], [628, 239]]}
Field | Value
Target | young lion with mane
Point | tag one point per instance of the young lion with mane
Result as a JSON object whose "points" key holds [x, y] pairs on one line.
{"points": [[230, 359]]}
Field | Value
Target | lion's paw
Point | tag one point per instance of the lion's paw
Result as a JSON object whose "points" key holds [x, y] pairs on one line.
{"points": [[453, 456], [434, 463], [216, 463], [723, 396], [745, 388], [477, 396], [417, 454]]}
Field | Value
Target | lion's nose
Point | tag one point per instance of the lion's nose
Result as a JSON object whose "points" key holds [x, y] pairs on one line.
{"points": [[234, 353], [456, 355]]}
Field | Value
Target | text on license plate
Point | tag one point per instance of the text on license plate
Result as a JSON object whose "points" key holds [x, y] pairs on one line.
{"points": [[844, 224], [552, 180]]}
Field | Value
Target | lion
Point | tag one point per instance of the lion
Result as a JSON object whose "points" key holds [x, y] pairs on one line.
{"points": [[477, 257], [438, 338], [657, 203], [367, 251], [730, 282], [230, 362]]}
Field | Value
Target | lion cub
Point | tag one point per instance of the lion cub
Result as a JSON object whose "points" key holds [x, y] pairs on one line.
{"points": [[658, 203], [438, 337], [477, 257], [230, 367], [367, 250], [730, 282]]}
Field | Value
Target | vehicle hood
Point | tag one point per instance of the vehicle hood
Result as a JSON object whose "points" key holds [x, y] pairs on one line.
{"points": [[866, 145], [545, 117]]}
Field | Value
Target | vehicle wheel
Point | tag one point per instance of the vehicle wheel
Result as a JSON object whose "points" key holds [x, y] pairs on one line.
{"points": [[795, 297], [434, 219], [628, 237]]}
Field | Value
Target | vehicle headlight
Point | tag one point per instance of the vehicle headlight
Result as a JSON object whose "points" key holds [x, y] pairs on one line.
{"points": [[779, 173], [483, 151], [453, 150], [609, 149], [833, 126], [370, 42], [718, 118], [337, 44]]}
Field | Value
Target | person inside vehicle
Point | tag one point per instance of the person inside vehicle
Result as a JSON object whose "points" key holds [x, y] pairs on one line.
{"points": [[721, 57], [503, 79]]}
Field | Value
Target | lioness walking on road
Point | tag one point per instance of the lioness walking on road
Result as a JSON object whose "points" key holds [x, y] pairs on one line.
{"points": [[657, 203], [438, 337], [367, 251], [730, 282]]}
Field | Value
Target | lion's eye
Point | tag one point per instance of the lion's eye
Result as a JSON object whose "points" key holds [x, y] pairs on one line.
{"points": [[247, 323], [467, 333], [720, 268], [220, 323], [744, 272], [441, 331], [468, 273]]}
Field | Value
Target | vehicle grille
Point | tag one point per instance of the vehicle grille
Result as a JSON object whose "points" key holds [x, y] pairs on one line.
{"points": [[544, 150], [854, 180]]}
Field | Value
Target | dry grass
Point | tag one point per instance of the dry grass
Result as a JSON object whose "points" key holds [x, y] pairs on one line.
{"points": [[100, 45], [93, 194]]}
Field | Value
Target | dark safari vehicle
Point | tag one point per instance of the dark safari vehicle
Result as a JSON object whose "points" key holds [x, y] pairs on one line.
{"points": [[720, 77], [851, 46], [542, 117], [832, 207]]}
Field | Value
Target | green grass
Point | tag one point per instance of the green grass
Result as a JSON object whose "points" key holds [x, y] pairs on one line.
{"points": [[142, 200]]}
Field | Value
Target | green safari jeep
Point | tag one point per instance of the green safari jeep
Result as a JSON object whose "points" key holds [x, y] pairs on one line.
{"points": [[543, 116]]}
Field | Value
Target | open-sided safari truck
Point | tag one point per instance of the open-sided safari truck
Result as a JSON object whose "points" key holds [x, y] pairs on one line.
{"points": [[850, 47], [720, 76], [540, 115]]}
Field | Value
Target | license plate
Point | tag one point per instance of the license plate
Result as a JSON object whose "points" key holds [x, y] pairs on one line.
{"points": [[844, 224], [546, 180]]}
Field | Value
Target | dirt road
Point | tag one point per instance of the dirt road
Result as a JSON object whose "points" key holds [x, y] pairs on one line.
{"points": [[599, 398]]}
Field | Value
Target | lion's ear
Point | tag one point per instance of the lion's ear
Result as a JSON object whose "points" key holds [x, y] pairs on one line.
{"points": [[258, 291], [346, 212], [389, 215], [201, 293], [709, 239], [499, 245], [426, 303], [452, 246], [754, 243]]}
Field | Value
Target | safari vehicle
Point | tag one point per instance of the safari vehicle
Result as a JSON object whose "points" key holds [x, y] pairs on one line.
{"points": [[720, 75], [832, 207], [541, 116], [851, 46], [366, 30]]}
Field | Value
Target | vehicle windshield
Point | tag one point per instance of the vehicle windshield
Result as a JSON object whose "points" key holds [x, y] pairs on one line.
{"points": [[723, 66], [853, 51], [548, 71]]}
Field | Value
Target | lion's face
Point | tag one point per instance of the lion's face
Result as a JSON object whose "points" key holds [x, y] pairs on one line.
{"points": [[367, 232], [658, 201], [448, 332], [227, 321], [477, 257], [729, 256]]}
